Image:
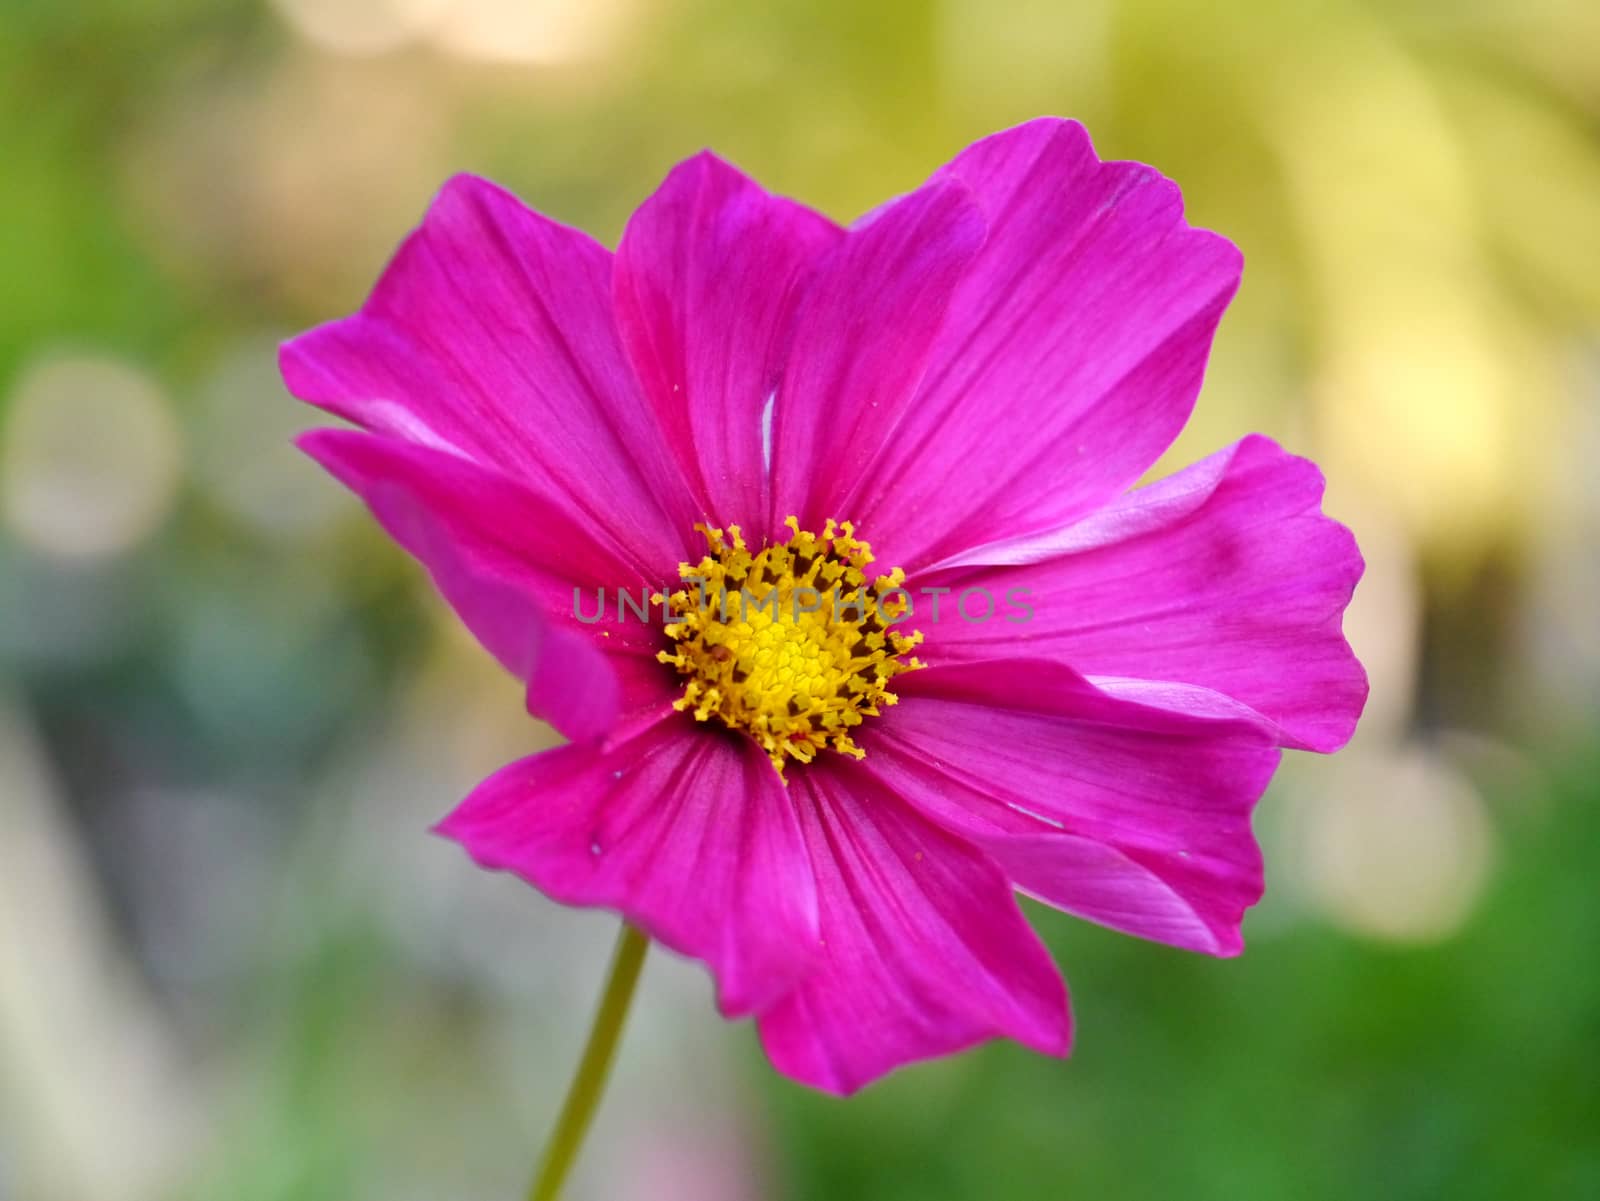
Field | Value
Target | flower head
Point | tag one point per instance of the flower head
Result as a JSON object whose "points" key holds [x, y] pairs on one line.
{"points": [[882, 634], [790, 644]]}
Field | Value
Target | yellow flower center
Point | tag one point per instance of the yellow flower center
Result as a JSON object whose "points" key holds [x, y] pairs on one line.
{"points": [[789, 644]]}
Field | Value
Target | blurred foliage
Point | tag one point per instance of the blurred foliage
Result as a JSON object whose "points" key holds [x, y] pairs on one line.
{"points": [[240, 708]]}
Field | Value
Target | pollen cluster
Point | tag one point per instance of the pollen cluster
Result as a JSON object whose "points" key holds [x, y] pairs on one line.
{"points": [[790, 644]]}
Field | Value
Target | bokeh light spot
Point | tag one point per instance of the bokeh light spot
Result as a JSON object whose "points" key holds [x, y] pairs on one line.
{"points": [[91, 457], [1399, 846], [359, 27]]}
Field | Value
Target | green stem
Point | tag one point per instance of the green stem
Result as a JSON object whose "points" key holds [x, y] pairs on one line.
{"points": [[583, 1095]]}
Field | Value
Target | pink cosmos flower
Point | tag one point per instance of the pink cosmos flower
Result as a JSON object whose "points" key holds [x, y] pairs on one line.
{"points": [[973, 375]]}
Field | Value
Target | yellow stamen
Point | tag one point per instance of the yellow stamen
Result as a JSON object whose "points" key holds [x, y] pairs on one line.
{"points": [[790, 644]]}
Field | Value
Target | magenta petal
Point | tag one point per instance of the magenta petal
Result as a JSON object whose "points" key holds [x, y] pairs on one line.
{"points": [[1072, 352], [1131, 816], [507, 561], [861, 343], [923, 949], [492, 333], [689, 834], [707, 278], [1224, 578], [1102, 884]]}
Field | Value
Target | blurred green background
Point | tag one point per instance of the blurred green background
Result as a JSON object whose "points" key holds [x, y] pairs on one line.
{"points": [[234, 965]]}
